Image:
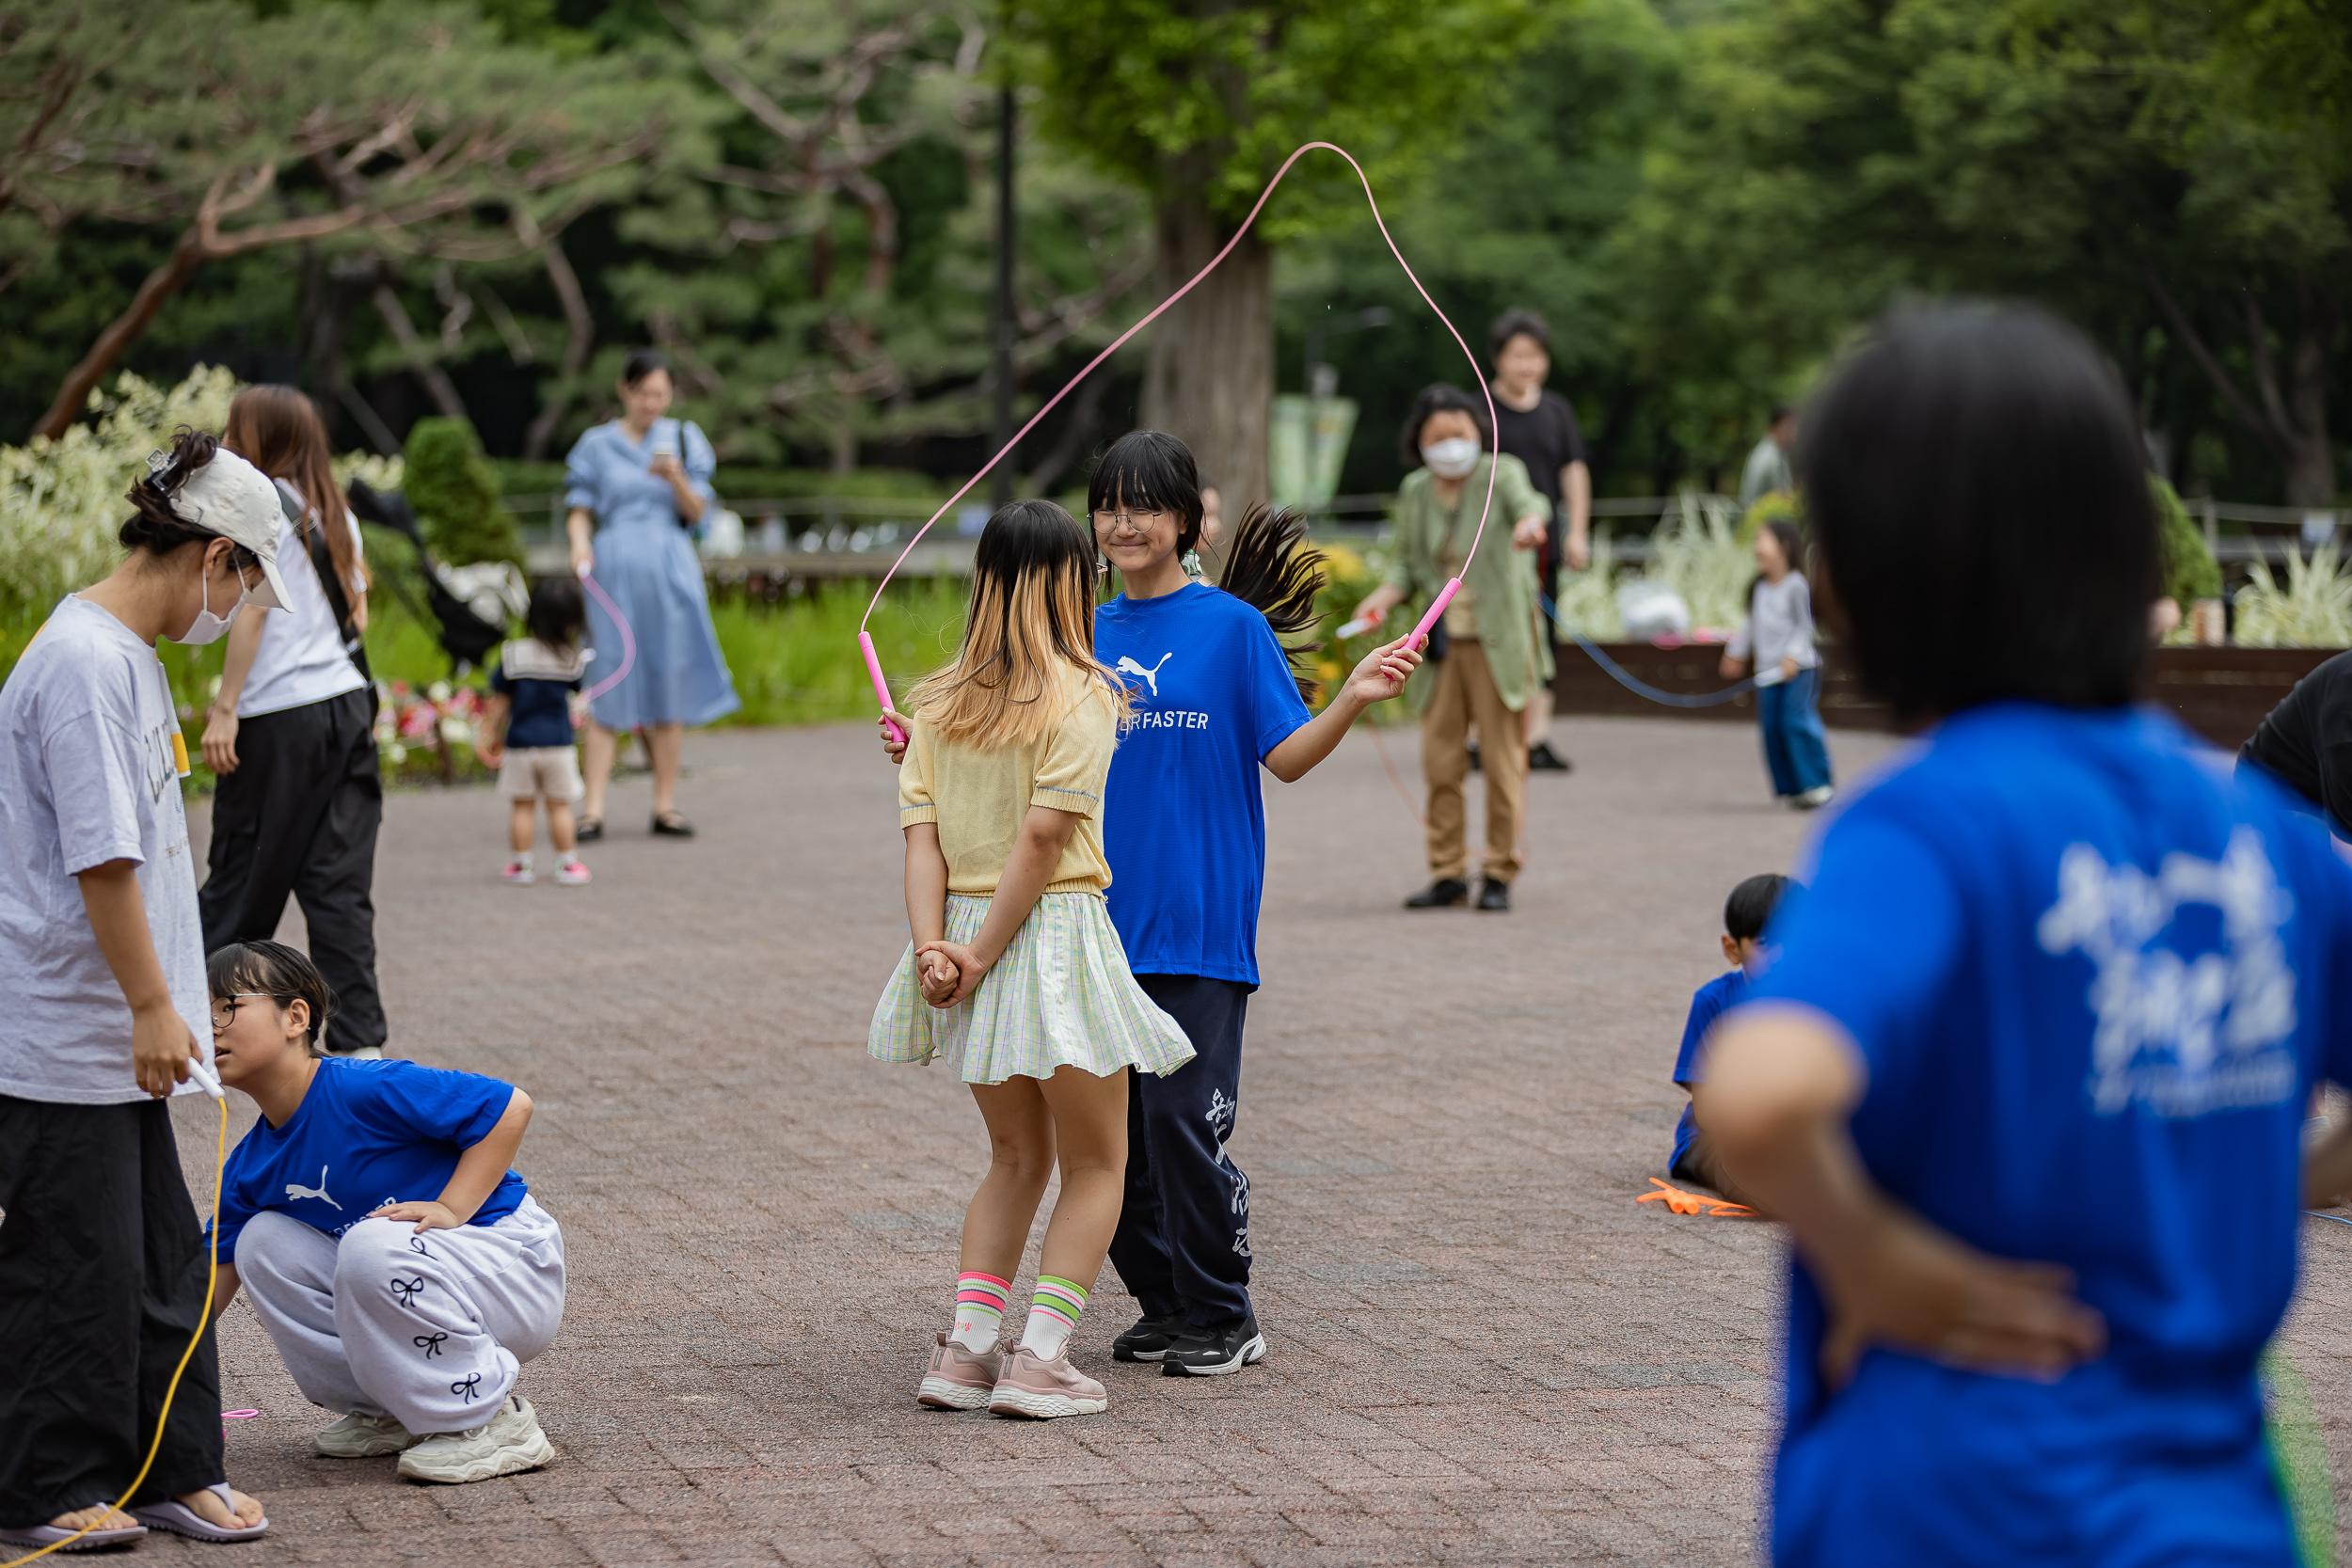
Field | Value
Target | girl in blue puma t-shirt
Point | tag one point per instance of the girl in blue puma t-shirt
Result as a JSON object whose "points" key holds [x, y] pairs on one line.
{"points": [[2027, 1078], [1184, 829], [403, 1270]]}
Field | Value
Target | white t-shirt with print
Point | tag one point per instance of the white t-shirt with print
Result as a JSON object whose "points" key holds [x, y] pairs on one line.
{"points": [[301, 658], [88, 775]]}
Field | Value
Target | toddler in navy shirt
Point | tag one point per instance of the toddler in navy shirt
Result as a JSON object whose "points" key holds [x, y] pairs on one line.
{"points": [[527, 732], [1745, 915]]}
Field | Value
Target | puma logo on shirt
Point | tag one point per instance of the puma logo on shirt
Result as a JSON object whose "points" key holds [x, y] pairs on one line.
{"points": [[1150, 677], [294, 1189]]}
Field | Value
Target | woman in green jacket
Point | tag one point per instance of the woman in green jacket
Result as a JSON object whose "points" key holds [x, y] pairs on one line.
{"points": [[1495, 654]]}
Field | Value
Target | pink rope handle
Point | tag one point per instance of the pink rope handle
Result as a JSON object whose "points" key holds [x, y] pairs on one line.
{"points": [[1445, 595], [629, 637]]}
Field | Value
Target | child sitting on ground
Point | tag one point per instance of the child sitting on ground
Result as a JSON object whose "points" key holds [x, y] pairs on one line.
{"points": [[413, 1305], [527, 729], [1745, 915]]}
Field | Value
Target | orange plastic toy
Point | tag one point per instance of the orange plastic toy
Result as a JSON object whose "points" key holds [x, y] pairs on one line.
{"points": [[1681, 1202]]}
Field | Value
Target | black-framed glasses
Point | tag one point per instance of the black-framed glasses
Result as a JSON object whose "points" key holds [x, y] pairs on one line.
{"points": [[225, 1008]]}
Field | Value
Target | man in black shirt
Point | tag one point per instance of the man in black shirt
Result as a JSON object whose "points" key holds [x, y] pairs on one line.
{"points": [[2306, 743], [1538, 428]]}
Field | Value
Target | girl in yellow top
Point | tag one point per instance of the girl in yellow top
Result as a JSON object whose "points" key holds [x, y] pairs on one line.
{"points": [[1014, 974]]}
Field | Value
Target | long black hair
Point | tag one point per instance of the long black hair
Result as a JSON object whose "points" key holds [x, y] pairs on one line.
{"points": [[1031, 616], [1974, 466], [1266, 565], [1270, 568]]}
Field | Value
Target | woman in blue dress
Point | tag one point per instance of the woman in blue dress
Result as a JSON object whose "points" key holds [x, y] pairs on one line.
{"points": [[636, 487]]}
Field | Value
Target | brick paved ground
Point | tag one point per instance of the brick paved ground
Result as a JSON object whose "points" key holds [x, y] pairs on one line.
{"points": [[1483, 1352]]}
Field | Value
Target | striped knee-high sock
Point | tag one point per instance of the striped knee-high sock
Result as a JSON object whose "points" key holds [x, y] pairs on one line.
{"points": [[1054, 1308], [980, 1302]]}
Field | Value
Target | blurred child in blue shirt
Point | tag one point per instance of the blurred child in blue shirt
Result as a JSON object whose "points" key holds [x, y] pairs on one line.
{"points": [[2028, 1075], [527, 730], [1745, 915]]}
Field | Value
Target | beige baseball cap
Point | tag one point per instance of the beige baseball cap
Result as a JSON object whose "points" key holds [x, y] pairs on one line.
{"points": [[233, 498]]}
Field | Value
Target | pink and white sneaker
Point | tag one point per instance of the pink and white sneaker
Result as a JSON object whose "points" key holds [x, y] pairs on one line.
{"points": [[573, 875], [1045, 1390], [518, 873], [959, 1379]]}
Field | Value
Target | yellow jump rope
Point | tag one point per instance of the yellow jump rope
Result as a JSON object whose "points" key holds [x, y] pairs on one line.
{"points": [[204, 1076]]}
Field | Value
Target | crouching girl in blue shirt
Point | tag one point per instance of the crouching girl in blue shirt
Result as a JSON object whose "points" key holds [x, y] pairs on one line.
{"points": [[2028, 1075], [403, 1270]]}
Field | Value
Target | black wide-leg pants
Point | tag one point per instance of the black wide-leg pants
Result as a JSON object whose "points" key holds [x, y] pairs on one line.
{"points": [[103, 1270], [299, 817], [1182, 1244]]}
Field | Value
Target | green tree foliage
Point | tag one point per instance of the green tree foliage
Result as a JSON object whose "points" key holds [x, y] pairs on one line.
{"points": [[1197, 102], [455, 493], [845, 242], [2119, 162]]}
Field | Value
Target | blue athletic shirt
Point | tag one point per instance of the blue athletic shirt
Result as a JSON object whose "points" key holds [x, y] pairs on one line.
{"points": [[1184, 819], [2092, 977], [367, 1133], [1712, 1000]]}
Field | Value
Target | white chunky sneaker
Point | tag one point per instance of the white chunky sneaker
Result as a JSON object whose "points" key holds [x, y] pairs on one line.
{"points": [[510, 1442], [364, 1437]]}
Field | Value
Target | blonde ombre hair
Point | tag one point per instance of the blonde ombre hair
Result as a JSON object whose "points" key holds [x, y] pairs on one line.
{"points": [[1030, 621]]}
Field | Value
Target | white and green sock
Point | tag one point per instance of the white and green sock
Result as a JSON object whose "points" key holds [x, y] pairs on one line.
{"points": [[1054, 1308]]}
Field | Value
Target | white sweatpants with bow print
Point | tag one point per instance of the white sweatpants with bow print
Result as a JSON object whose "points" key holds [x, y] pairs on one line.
{"points": [[429, 1330]]}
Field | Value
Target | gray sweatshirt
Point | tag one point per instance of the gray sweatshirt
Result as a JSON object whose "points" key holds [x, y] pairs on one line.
{"points": [[1780, 624]]}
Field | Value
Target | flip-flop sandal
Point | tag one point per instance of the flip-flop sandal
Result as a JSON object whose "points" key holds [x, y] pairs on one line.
{"points": [[49, 1535], [179, 1519]]}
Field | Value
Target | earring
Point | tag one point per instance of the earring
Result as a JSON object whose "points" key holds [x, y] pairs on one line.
{"points": [[1192, 565]]}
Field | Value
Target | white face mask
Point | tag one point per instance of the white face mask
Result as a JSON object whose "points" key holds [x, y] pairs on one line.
{"points": [[1452, 458], [207, 627]]}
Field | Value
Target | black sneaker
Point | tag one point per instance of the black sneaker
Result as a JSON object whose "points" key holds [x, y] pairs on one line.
{"points": [[1541, 758], [1444, 892], [1213, 1352], [1149, 1339], [1493, 895]]}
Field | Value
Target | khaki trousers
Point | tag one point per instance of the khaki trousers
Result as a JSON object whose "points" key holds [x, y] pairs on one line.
{"points": [[1465, 691]]}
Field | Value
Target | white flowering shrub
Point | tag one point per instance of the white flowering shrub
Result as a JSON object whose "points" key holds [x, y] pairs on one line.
{"points": [[1700, 557], [2313, 608], [61, 501]]}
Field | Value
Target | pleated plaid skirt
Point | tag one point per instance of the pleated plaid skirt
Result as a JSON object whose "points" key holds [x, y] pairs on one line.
{"points": [[1061, 996]]}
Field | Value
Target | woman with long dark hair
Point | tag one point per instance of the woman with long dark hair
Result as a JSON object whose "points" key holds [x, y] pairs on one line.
{"points": [[291, 734], [636, 485]]}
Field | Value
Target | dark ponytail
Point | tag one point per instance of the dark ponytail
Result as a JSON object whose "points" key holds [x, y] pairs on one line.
{"points": [[1270, 568], [154, 526]]}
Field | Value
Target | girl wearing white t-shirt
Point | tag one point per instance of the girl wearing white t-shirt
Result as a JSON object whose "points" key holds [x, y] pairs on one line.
{"points": [[1778, 640], [291, 734], [103, 1269]]}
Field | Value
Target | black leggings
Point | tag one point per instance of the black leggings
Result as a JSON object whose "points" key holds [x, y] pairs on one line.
{"points": [[299, 817], [103, 1269]]}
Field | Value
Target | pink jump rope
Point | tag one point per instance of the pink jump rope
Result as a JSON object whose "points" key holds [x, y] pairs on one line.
{"points": [[1445, 594]]}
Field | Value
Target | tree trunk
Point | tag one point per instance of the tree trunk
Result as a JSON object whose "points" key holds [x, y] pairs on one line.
{"points": [[2310, 462], [581, 330], [121, 333], [421, 361], [1211, 381]]}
